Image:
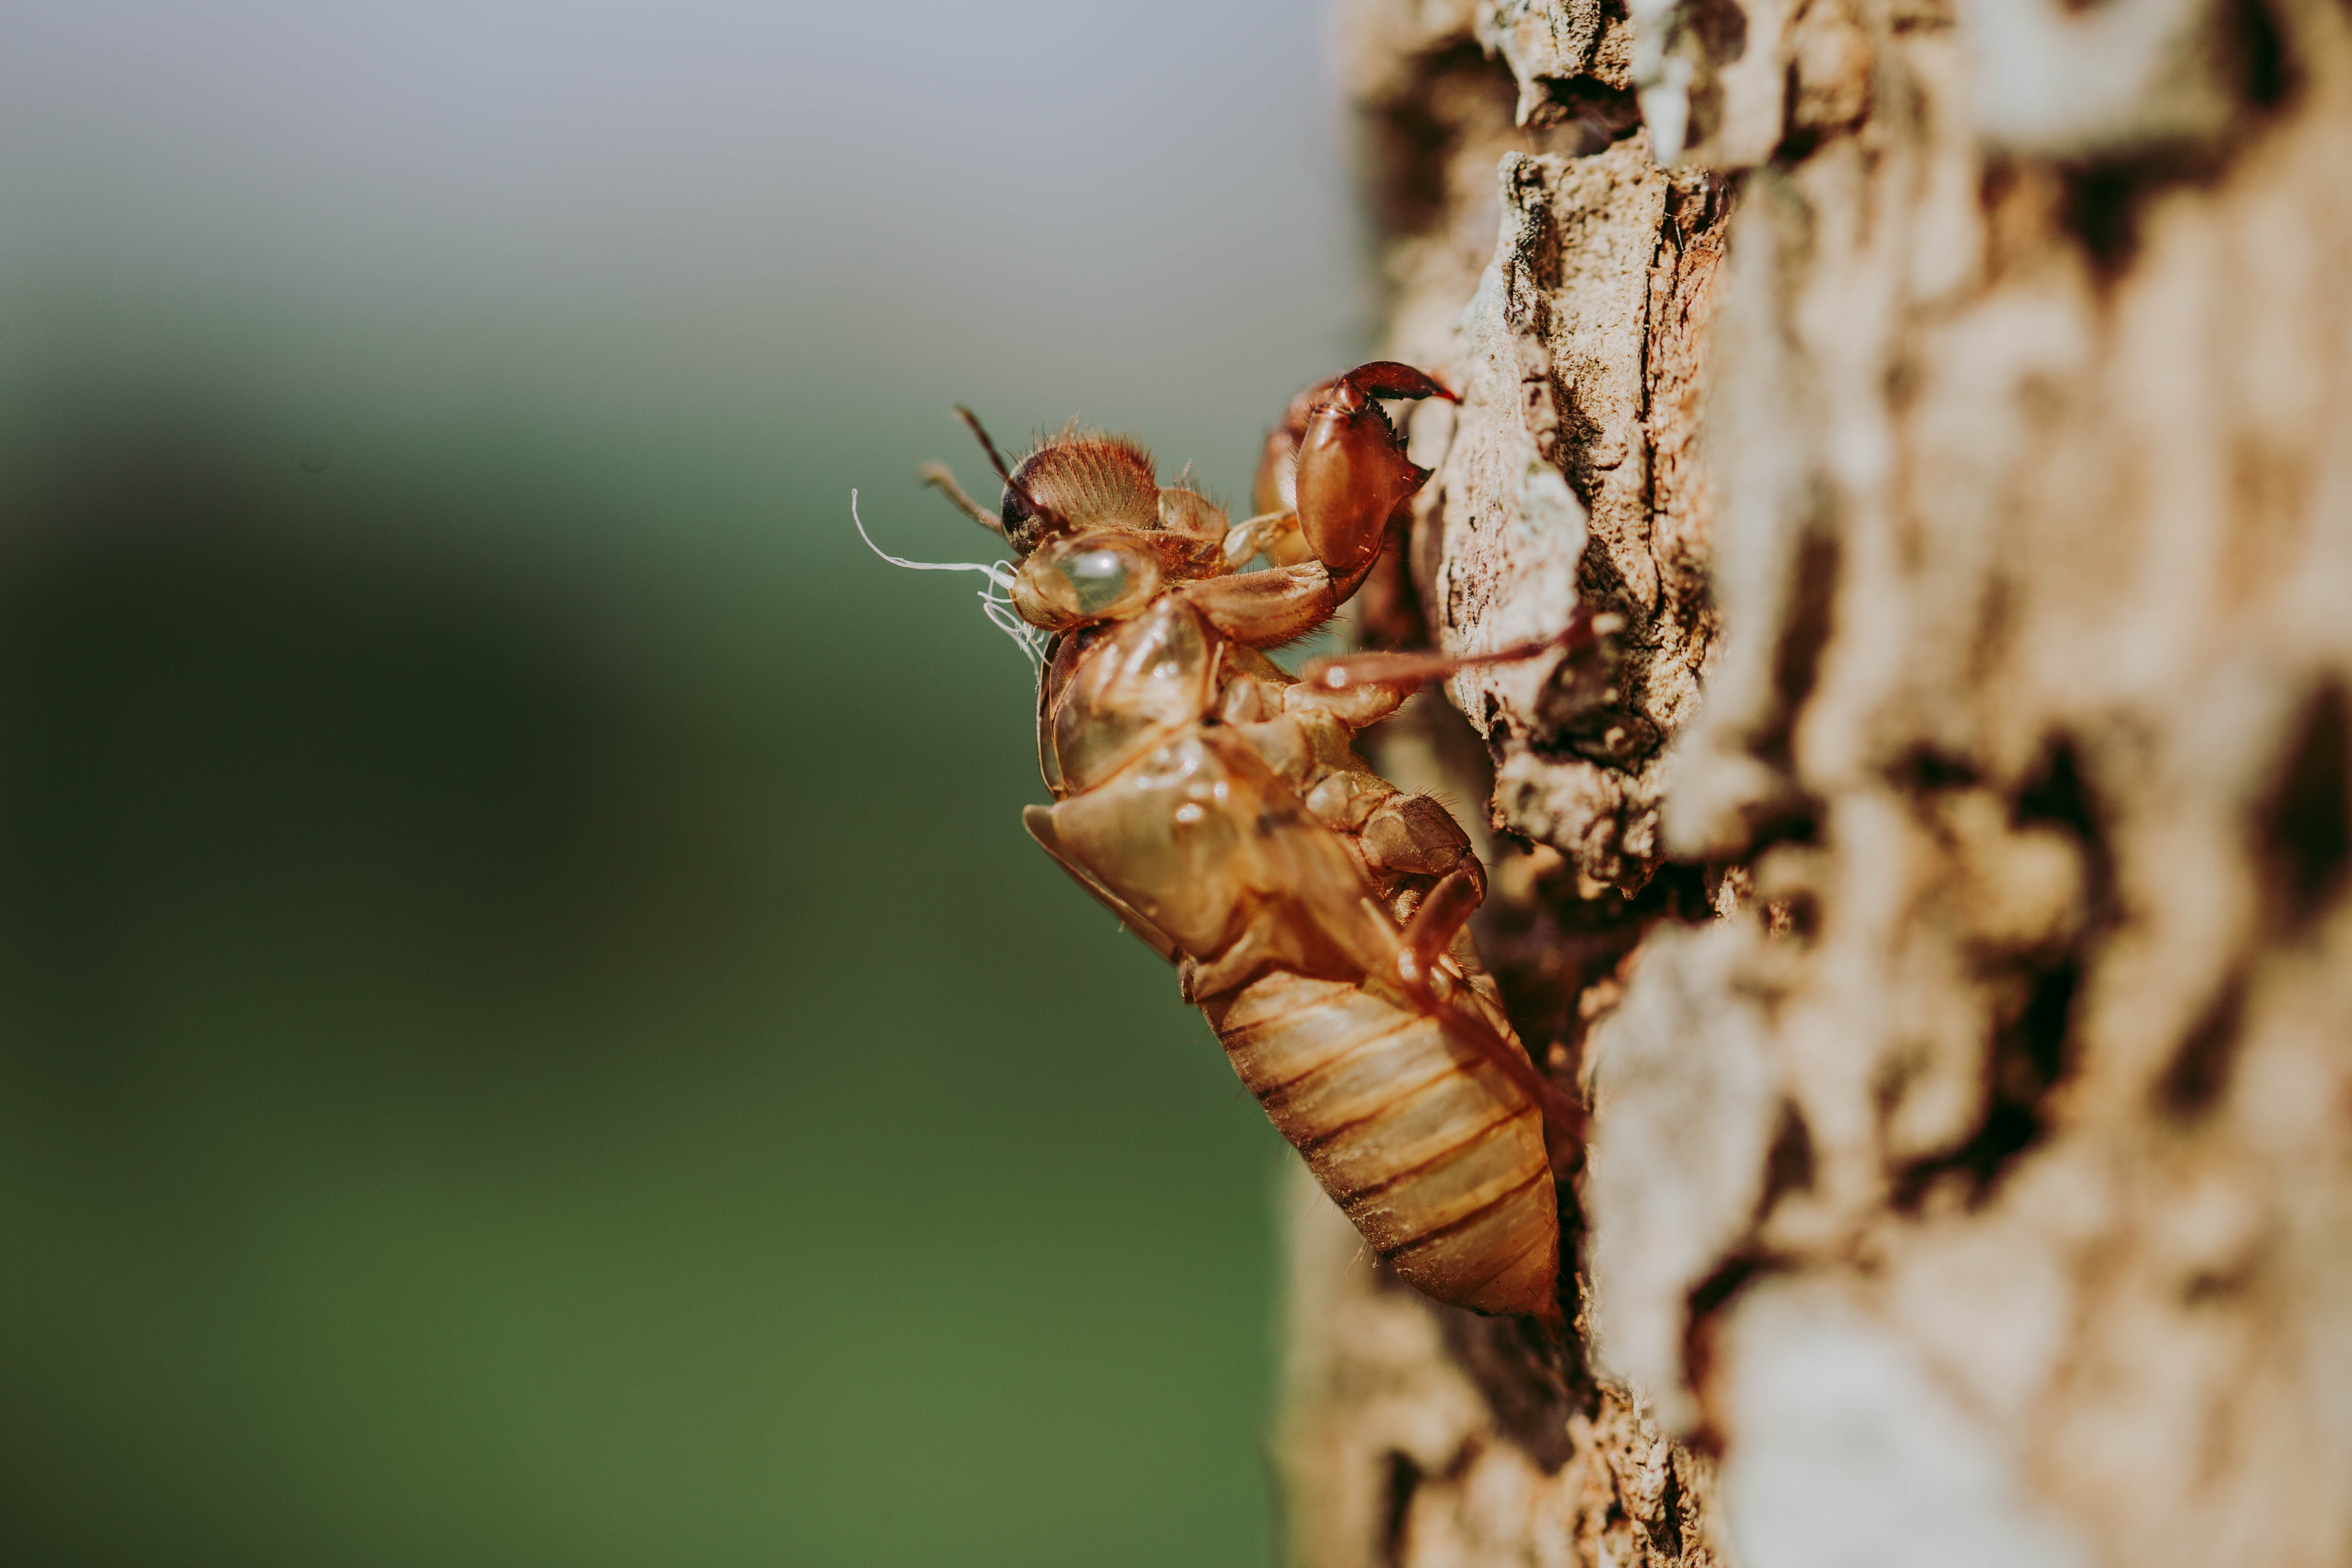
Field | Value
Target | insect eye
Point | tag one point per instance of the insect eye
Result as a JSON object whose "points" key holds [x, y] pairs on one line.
{"points": [[1103, 579], [1100, 578]]}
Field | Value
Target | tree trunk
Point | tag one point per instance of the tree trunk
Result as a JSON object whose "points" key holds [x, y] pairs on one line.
{"points": [[1938, 886]]}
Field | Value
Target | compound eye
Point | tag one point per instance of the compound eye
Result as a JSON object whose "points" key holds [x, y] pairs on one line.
{"points": [[1013, 515], [1100, 579], [1092, 578]]}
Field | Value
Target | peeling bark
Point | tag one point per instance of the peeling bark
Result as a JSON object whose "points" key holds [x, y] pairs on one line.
{"points": [[1939, 885]]}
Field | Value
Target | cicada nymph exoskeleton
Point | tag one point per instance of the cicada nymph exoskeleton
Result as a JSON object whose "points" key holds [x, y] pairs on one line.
{"points": [[1315, 912]]}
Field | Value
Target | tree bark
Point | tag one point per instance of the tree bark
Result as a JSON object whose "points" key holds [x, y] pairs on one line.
{"points": [[1938, 885]]}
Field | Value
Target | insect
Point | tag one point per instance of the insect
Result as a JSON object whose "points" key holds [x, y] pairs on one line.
{"points": [[1316, 914]]}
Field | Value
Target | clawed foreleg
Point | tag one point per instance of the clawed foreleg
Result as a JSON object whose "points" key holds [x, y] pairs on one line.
{"points": [[1339, 461], [1439, 919], [1266, 609], [1459, 1016], [1436, 921]]}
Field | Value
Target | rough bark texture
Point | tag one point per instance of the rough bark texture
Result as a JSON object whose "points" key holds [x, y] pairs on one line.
{"points": [[1938, 885]]}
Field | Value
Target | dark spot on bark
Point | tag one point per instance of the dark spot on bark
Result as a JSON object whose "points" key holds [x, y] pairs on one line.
{"points": [[1796, 666], [1792, 819], [1924, 771], [1666, 1532], [1906, 377], [1585, 115], [2105, 196], [1719, 27], [1414, 135], [2031, 1056], [2033, 1045], [1788, 814], [1404, 1480], [2035, 1055], [1388, 606], [2303, 840], [1788, 1165], [1569, 710], [1679, 892], [2266, 73], [1798, 143], [2205, 1287], [1705, 1307], [1696, 206], [1533, 1381], [1706, 102], [1611, 737], [1798, 915], [2101, 210], [2058, 795], [2200, 1068], [1535, 255], [1710, 1295], [2304, 829]]}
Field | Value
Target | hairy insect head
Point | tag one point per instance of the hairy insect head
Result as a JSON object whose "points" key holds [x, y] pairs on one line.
{"points": [[1017, 489], [1078, 480]]}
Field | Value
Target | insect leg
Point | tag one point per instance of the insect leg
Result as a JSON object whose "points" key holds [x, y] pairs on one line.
{"points": [[1413, 836], [1264, 609], [1337, 470], [1403, 671], [1443, 913], [1353, 469], [1460, 1017]]}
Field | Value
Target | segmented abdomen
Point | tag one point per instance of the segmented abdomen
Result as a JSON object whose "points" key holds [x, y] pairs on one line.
{"points": [[1435, 1155]]}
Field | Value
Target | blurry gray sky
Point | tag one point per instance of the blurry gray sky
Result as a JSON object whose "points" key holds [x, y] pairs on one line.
{"points": [[1121, 208]]}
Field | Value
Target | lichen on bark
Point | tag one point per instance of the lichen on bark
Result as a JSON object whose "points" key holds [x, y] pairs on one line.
{"points": [[1939, 885]]}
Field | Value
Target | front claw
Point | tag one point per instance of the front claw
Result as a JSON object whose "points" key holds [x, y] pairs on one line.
{"points": [[1388, 378], [1352, 467]]}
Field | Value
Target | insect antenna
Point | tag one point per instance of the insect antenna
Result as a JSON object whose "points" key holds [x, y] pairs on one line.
{"points": [[995, 600], [1053, 520], [938, 478]]}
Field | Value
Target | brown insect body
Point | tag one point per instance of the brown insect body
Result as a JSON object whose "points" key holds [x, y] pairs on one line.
{"points": [[1217, 806]]}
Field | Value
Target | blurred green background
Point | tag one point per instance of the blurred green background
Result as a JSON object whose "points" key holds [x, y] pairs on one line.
{"points": [[530, 1031]]}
